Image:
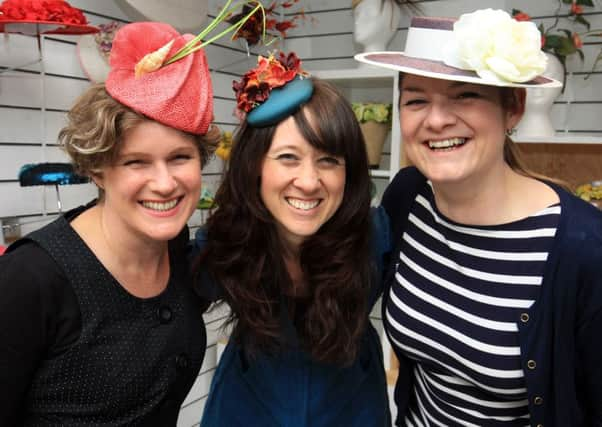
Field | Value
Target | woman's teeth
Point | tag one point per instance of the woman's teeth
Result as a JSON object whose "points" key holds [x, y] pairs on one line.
{"points": [[160, 206], [446, 143], [303, 204]]}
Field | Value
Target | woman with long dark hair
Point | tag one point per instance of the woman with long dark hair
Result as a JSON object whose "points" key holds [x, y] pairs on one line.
{"points": [[291, 249]]}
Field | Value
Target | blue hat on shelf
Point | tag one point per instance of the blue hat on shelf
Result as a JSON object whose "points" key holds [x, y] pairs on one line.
{"points": [[273, 90], [49, 174]]}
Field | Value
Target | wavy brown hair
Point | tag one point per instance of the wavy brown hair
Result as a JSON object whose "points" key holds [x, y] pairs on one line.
{"points": [[245, 253], [96, 125]]}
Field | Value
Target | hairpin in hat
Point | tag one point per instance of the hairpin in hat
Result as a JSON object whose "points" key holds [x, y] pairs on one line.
{"points": [[273, 90], [485, 47], [165, 75], [34, 17]]}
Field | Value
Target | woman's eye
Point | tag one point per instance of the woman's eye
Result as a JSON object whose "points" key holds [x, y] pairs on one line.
{"points": [[287, 157], [414, 101], [468, 95], [133, 162], [181, 157], [330, 161]]}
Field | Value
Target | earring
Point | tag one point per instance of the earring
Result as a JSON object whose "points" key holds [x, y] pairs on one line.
{"points": [[510, 132]]}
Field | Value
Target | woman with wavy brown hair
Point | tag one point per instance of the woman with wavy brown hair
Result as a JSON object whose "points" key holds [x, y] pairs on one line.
{"points": [[288, 249], [100, 324]]}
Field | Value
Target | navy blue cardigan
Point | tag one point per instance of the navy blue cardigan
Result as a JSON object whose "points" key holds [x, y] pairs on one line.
{"points": [[561, 330]]}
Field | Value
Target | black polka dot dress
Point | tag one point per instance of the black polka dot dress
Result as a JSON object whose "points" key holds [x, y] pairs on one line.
{"points": [[135, 359]]}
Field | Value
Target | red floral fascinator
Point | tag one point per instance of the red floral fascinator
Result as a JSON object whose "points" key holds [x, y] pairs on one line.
{"points": [[33, 17], [179, 95], [272, 90]]}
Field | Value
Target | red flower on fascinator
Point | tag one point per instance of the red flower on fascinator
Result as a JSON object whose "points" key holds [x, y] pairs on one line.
{"points": [[270, 73]]}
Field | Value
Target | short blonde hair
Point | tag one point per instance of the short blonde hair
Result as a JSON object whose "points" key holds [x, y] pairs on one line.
{"points": [[97, 124]]}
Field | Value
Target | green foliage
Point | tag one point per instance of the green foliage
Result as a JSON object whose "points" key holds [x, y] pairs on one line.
{"points": [[371, 111], [563, 42]]}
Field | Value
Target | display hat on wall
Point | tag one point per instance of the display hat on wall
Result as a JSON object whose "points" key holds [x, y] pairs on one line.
{"points": [[34, 17], [484, 47], [184, 15], [273, 90], [50, 174], [164, 75], [93, 51]]}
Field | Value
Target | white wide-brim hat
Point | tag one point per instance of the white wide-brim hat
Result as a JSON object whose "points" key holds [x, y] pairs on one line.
{"points": [[427, 53], [184, 15], [93, 63]]}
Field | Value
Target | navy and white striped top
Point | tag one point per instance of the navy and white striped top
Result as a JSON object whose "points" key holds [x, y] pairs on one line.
{"points": [[458, 293]]}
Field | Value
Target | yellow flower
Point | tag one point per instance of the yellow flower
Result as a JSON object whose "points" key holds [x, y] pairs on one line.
{"points": [[590, 191], [224, 146]]}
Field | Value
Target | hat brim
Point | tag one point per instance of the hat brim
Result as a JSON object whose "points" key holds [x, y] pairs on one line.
{"points": [[33, 28], [94, 66], [398, 61]]}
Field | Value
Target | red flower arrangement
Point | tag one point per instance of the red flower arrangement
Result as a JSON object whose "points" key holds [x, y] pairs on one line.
{"points": [[41, 10], [270, 73], [252, 30]]}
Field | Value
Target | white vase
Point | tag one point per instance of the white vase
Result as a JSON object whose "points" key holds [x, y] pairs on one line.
{"points": [[537, 120], [374, 24]]}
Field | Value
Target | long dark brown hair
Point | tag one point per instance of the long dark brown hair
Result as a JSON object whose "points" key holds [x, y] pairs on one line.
{"points": [[245, 253]]}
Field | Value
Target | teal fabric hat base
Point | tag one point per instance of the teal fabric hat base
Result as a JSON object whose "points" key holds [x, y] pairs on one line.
{"points": [[283, 102]]}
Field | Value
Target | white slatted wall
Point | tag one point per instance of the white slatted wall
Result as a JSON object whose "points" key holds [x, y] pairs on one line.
{"points": [[323, 42]]}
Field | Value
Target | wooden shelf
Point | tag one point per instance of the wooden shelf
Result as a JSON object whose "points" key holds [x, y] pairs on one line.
{"points": [[573, 161]]}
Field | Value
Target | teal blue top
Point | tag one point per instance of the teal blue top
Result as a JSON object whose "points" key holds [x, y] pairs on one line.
{"points": [[292, 390]]}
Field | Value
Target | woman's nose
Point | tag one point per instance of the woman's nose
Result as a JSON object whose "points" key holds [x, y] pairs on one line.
{"points": [[163, 180], [440, 115], [308, 177]]}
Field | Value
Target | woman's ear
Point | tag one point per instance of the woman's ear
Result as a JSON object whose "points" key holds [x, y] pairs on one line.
{"points": [[515, 106], [98, 179]]}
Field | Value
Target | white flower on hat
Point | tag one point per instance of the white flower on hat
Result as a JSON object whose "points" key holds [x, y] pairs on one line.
{"points": [[496, 46]]}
